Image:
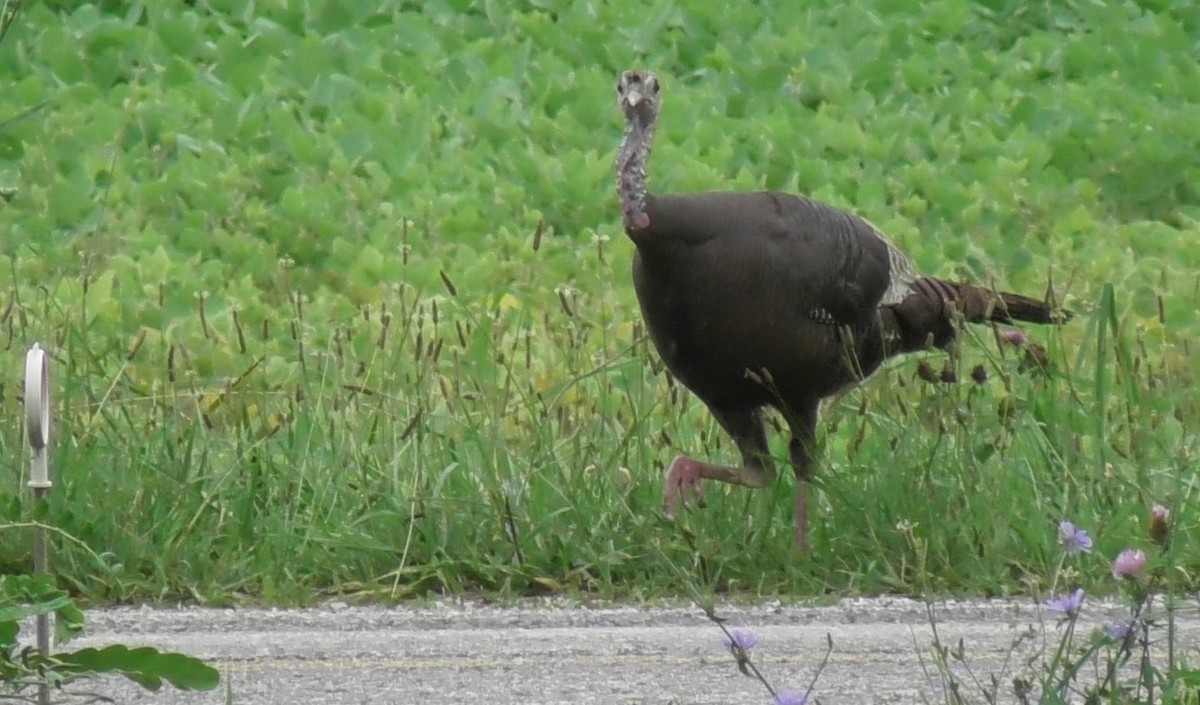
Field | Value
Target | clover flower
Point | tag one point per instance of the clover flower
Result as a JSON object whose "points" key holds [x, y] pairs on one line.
{"points": [[1013, 336], [1128, 563]]}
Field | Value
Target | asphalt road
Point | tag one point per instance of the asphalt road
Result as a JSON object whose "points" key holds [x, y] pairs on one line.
{"points": [[540, 652]]}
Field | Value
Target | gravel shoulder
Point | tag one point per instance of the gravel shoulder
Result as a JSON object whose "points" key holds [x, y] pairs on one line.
{"points": [[550, 652]]}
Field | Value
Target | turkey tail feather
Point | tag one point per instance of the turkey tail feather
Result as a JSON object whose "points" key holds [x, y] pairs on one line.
{"points": [[978, 304], [1015, 307]]}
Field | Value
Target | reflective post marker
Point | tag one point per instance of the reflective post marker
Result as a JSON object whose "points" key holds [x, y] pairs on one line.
{"points": [[37, 415], [37, 420]]}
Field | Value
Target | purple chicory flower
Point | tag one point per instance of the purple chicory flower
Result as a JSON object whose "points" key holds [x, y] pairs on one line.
{"points": [[1119, 630], [1128, 563], [742, 639], [791, 697], [1072, 539], [1066, 605]]}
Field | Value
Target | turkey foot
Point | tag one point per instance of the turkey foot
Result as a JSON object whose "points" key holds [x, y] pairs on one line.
{"points": [[685, 475], [683, 485]]}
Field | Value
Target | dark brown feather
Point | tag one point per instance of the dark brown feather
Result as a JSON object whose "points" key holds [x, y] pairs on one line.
{"points": [[733, 282]]}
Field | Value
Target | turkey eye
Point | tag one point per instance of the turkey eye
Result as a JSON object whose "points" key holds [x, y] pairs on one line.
{"points": [[621, 89], [654, 87]]}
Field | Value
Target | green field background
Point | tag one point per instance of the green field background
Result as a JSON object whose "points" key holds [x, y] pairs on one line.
{"points": [[338, 300]]}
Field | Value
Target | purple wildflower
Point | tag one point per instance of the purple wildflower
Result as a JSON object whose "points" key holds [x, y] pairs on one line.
{"points": [[1012, 336], [1119, 630], [791, 697], [1128, 563], [742, 639], [1073, 540], [1066, 605]]}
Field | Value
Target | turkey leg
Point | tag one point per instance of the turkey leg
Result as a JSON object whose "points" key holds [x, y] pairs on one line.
{"points": [[804, 433], [684, 477]]}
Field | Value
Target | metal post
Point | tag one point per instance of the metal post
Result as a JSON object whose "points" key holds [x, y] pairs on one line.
{"points": [[37, 420]]}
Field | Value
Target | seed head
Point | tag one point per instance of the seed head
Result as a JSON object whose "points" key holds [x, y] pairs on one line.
{"points": [[1160, 529]]}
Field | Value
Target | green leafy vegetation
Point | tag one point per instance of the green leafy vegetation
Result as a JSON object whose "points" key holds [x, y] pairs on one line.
{"points": [[23, 669], [339, 303]]}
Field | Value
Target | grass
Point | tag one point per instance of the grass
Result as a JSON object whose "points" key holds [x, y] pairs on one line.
{"points": [[339, 303]]}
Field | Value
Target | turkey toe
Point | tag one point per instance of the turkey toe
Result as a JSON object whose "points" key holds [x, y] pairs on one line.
{"points": [[684, 485]]}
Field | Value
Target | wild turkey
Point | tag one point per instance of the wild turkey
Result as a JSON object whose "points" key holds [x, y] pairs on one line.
{"points": [[763, 299]]}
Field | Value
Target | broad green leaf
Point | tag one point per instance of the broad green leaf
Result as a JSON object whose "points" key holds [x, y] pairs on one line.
{"points": [[146, 666]]}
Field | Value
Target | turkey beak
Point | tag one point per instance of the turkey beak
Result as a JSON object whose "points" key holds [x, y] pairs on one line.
{"points": [[633, 97]]}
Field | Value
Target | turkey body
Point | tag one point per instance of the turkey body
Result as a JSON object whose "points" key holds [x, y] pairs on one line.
{"points": [[761, 299]]}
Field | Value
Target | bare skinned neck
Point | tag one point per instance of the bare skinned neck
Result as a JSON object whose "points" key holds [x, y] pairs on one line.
{"points": [[631, 173]]}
